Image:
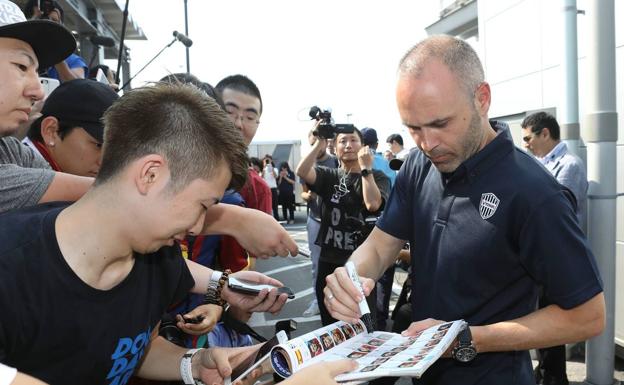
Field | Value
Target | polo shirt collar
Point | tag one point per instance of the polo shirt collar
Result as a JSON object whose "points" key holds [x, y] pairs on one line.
{"points": [[489, 155], [559, 150]]}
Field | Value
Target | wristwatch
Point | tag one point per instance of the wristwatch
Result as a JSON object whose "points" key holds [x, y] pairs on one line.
{"points": [[366, 172], [464, 351]]}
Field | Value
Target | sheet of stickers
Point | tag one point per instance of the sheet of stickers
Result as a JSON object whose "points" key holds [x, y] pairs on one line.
{"points": [[378, 354]]}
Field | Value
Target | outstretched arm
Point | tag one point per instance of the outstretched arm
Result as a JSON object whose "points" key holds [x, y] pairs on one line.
{"points": [[257, 232]]}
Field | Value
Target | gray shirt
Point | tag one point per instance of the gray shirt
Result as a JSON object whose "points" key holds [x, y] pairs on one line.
{"points": [[569, 171], [24, 175]]}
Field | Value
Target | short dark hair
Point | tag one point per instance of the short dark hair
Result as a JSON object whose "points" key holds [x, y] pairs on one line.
{"points": [[189, 129], [255, 162], [30, 4], [186, 78], [395, 138], [357, 132], [540, 120], [240, 83]]}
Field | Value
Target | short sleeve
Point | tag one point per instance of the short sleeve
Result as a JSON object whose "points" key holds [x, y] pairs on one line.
{"points": [[556, 253], [383, 184], [325, 181], [22, 187], [177, 275]]}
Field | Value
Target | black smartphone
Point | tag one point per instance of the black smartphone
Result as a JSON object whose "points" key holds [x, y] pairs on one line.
{"points": [[193, 320], [252, 288], [261, 357]]}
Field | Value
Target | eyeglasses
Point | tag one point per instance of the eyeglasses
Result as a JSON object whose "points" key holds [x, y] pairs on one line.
{"points": [[247, 118], [528, 138]]}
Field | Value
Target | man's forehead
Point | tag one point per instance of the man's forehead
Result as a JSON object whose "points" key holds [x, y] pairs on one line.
{"points": [[17, 47], [240, 99]]}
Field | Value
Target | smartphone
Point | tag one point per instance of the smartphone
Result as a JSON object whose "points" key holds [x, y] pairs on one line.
{"points": [[254, 361], [252, 288], [194, 320], [48, 85]]}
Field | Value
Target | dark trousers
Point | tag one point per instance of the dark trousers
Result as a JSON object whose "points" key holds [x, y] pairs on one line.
{"points": [[274, 203], [551, 362], [325, 269], [288, 203], [384, 292]]}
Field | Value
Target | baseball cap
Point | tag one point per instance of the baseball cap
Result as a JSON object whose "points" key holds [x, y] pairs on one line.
{"points": [[369, 136], [50, 41], [79, 103]]}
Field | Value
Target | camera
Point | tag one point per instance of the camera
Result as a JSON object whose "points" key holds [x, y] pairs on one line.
{"points": [[327, 129]]}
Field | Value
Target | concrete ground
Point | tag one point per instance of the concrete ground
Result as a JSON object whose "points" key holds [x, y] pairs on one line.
{"points": [[295, 272]]}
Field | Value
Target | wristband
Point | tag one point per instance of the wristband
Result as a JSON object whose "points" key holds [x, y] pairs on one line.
{"points": [[186, 368], [215, 287]]}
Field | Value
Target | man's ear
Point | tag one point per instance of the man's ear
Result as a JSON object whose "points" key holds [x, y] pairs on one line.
{"points": [[49, 131], [483, 98], [546, 133], [152, 171]]}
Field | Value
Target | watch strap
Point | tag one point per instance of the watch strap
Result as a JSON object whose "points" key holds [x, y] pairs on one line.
{"points": [[186, 368]]}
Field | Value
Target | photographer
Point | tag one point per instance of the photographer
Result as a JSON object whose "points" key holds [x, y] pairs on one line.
{"points": [[74, 66], [348, 195]]}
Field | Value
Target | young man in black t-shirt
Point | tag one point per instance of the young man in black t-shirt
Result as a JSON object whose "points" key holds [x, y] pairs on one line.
{"points": [[348, 194], [84, 285]]}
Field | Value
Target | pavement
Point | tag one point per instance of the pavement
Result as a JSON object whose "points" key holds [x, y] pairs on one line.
{"points": [[296, 273]]}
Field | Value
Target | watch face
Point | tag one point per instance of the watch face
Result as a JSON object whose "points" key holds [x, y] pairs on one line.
{"points": [[465, 354]]}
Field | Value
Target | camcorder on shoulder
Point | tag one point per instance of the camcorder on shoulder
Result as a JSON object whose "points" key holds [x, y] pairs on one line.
{"points": [[327, 129]]}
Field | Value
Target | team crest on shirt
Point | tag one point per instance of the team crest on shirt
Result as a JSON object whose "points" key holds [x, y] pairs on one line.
{"points": [[489, 204]]}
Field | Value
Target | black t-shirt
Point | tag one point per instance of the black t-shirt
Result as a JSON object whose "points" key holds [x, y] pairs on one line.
{"points": [[482, 243], [343, 210], [56, 327], [285, 187]]}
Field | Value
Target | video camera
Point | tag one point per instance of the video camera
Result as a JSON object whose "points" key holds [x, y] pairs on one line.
{"points": [[46, 7], [327, 129]]}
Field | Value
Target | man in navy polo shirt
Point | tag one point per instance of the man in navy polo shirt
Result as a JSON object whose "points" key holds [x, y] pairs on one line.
{"points": [[487, 225]]}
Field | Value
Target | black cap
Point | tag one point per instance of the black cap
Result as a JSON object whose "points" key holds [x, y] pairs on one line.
{"points": [[369, 136], [51, 42], [79, 103]]}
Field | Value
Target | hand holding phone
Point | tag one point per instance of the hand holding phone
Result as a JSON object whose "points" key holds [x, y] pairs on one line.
{"points": [[252, 288]]}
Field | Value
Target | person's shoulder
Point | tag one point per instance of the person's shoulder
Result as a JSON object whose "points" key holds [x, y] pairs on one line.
{"points": [[75, 60], [22, 226]]}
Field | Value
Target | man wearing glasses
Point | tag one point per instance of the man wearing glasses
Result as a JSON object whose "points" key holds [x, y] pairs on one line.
{"points": [[540, 134]]}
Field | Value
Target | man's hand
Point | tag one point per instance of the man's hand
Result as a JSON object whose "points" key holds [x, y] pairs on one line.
{"points": [[365, 158], [419, 326], [265, 301], [321, 373], [210, 314], [215, 364], [342, 297]]}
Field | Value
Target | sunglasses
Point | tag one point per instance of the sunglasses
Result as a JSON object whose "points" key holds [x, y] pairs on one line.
{"points": [[528, 138]]}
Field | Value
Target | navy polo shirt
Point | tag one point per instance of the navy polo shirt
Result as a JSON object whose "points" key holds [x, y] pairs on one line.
{"points": [[483, 241]]}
